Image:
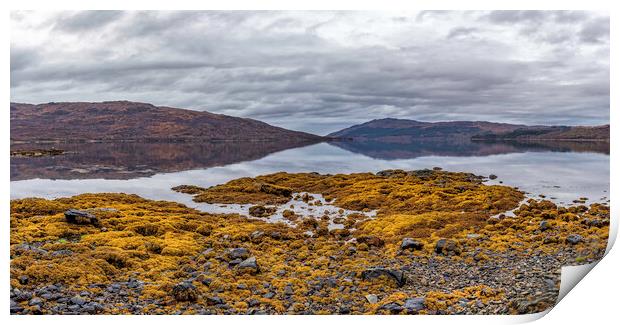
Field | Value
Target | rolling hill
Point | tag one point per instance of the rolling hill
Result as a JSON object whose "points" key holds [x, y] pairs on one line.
{"points": [[125, 120]]}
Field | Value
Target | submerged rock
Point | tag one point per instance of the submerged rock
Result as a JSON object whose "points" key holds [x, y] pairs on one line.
{"points": [[260, 211]]}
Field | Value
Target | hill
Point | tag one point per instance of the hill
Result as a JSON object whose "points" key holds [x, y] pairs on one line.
{"points": [[403, 131], [124, 120]]}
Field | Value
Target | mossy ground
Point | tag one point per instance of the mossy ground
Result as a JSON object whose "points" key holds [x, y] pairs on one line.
{"points": [[164, 243]]}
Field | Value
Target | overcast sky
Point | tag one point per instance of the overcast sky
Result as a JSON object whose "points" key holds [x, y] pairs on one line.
{"points": [[323, 71]]}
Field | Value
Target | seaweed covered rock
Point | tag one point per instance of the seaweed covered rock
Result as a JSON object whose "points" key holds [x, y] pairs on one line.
{"points": [[185, 291], [371, 241], [381, 272], [260, 211], [447, 247], [189, 189]]}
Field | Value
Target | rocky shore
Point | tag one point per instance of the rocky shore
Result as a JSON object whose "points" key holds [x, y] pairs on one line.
{"points": [[440, 243]]}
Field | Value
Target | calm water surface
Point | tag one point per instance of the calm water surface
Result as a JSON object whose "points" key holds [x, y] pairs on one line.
{"points": [[561, 172]]}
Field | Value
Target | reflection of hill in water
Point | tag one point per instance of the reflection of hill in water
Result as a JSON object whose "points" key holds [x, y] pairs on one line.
{"points": [[134, 159], [462, 147]]}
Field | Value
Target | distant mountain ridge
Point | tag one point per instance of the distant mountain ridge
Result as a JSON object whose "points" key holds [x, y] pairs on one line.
{"points": [[402, 130], [125, 120]]}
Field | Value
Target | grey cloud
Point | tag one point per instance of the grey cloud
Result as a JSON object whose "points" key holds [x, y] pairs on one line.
{"points": [[595, 31], [87, 20], [304, 71], [461, 31]]}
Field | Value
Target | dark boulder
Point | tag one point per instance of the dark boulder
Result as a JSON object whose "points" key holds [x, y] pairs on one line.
{"points": [[412, 244], [79, 217]]}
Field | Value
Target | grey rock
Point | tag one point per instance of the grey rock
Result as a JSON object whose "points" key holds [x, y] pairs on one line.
{"points": [[414, 305], [393, 307], [77, 300], [241, 253], [24, 248], [574, 239], [23, 279], [15, 307], [410, 243], [21, 295], [544, 225], [250, 265], [35, 302], [373, 299], [215, 300]]}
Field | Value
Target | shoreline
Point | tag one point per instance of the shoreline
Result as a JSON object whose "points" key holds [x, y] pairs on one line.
{"points": [[163, 257]]}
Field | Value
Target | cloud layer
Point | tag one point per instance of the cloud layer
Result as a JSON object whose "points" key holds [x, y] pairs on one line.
{"points": [[322, 71]]}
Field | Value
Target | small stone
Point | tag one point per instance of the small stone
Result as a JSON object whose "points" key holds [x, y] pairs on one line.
{"points": [[35, 302], [15, 307], [23, 279], [288, 290], [20, 295], [544, 225], [215, 300], [373, 299], [77, 300], [574, 239]]}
